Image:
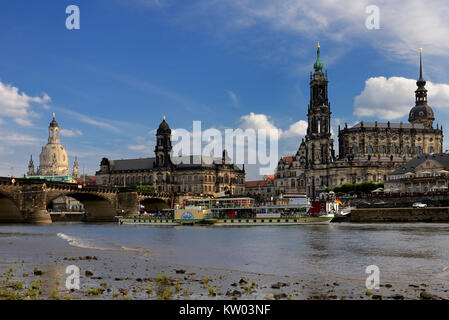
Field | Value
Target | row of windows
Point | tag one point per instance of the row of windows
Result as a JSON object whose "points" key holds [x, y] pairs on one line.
{"points": [[394, 138], [174, 179], [394, 149]]}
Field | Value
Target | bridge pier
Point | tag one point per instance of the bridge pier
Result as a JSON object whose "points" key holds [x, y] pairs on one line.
{"points": [[128, 203], [38, 216]]}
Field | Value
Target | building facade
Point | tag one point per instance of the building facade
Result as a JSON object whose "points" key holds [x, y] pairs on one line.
{"points": [[368, 151], [425, 173], [188, 174], [262, 189]]}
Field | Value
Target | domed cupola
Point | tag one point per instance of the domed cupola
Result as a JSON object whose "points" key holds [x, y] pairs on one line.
{"points": [[54, 123], [421, 112], [164, 128], [53, 157], [319, 65]]}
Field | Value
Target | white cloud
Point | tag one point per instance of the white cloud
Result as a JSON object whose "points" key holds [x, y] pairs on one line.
{"points": [[234, 98], [298, 129], [258, 121], [262, 121], [17, 105], [153, 3], [288, 24], [91, 121], [140, 147], [71, 133], [392, 98], [403, 28], [18, 139]]}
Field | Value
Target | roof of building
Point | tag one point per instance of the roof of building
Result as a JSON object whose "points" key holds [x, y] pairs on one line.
{"points": [[184, 162], [442, 158], [384, 125], [288, 160], [253, 184], [133, 164], [164, 128], [421, 112]]}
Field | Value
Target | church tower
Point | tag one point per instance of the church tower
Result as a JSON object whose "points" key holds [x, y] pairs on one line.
{"points": [[421, 112], [319, 145], [76, 169], [163, 149], [31, 172]]}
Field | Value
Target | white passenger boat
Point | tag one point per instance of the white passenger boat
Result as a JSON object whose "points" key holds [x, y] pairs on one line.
{"points": [[235, 212]]}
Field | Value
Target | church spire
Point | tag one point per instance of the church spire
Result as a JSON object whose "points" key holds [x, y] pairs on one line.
{"points": [[421, 92], [76, 169], [319, 65], [31, 167], [421, 112], [421, 82]]}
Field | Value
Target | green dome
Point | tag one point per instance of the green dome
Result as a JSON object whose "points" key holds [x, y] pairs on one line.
{"points": [[319, 65]]}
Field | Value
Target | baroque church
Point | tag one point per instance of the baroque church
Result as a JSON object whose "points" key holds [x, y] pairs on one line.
{"points": [[368, 151], [53, 160], [187, 174]]}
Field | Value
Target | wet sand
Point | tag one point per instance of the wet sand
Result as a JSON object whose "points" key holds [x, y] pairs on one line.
{"points": [[135, 274]]}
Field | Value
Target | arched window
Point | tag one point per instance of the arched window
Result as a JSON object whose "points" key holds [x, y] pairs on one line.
{"points": [[407, 149], [430, 149], [382, 149], [369, 149], [419, 150], [395, 149], [354, 149]]}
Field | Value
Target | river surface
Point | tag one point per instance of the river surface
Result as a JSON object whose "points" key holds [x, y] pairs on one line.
{"points": [[405, 253]]}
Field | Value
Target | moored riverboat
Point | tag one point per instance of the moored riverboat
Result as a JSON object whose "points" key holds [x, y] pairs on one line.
{"points": [[235, 212]]}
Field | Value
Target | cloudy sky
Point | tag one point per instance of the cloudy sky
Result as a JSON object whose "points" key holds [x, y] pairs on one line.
{"points": [[228, 63]]}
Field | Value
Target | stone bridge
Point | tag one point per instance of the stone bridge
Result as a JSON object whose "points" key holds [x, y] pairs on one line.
{"points": [[27, 200]]}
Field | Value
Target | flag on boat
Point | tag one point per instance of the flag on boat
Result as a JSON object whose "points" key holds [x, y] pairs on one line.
{"points": [[338, 201]]}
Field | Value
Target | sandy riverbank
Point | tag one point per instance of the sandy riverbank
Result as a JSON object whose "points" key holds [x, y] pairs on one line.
{"points": [[192, 263], [139, 276]]}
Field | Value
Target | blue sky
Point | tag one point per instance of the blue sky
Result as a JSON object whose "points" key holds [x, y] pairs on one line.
{"points": [[227, 63]]}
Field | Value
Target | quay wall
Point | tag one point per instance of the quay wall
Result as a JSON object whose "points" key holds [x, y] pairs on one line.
{"points": [[433, 214]]}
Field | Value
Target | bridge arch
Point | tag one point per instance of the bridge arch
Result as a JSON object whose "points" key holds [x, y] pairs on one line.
{"points": [[97, 207], [153, 204], [9, 209]]}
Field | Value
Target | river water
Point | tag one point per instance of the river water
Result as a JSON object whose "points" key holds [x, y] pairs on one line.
{"points": [[405, 253]]}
